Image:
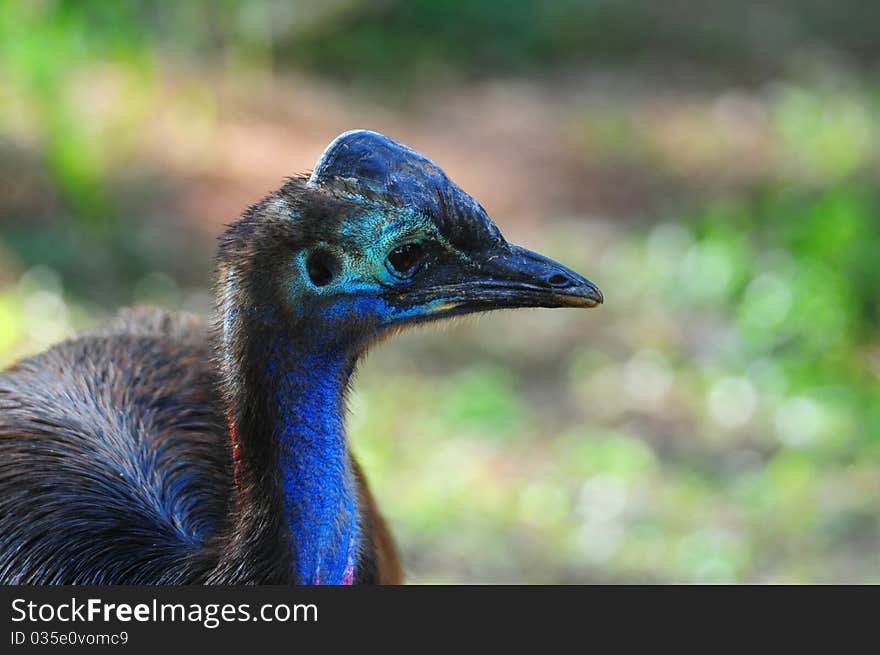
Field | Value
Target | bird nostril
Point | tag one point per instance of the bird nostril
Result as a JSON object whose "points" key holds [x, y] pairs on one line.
{"points": [[559, 280]]}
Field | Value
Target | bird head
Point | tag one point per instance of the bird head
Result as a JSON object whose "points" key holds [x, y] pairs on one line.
{"points": [[378, 237]]}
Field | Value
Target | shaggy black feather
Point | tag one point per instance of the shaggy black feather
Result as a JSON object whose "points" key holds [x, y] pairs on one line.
{"points": [[115, 465]]}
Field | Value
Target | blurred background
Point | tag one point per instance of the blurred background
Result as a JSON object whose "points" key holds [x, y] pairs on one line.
{"points": [[713, 166]]}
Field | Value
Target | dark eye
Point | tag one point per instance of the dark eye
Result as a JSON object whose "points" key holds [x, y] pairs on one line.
{"points": [[404, 261]]}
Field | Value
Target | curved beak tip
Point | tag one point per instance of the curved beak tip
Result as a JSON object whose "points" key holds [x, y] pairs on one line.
{"points": [[586, 295]]}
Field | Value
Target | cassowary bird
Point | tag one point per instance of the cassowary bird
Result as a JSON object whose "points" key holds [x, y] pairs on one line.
{"points": [[161, 450]]}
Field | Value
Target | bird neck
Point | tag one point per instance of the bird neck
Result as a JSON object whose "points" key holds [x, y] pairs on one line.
{"points": [[289, 445]]}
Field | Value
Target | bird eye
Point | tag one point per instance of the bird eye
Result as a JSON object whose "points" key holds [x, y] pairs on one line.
{"points": [[404, 261]]}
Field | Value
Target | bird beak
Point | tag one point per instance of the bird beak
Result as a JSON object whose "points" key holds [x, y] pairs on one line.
{"points": [[516, 277], [509, 277]]}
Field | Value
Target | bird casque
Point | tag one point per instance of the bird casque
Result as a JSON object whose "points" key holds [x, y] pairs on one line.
{"points": [[161, 449]]}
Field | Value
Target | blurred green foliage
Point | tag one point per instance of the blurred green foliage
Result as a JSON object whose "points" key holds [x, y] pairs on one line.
{"points": [[717, 420], [412, 41], [41, 45]]}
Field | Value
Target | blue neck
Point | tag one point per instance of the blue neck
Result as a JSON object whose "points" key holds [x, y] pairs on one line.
{"points": [[319, 494]]}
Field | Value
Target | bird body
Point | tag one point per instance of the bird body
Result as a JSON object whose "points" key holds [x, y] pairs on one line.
{"points": [[163, 449], [116, 464]]}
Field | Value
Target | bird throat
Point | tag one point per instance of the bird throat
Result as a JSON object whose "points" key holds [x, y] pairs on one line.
{"points": [[301, 388], [318, 485]]}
